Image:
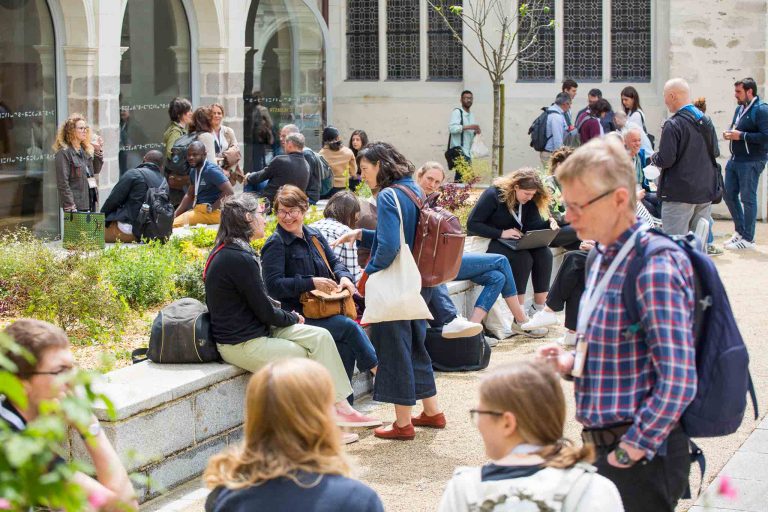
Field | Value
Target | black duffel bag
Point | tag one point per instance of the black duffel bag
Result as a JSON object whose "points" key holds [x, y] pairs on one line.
{"points": [[457, 354], [181, 333]]}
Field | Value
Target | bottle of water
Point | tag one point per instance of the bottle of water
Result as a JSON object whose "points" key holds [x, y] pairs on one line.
{"points": [[143, 214]]}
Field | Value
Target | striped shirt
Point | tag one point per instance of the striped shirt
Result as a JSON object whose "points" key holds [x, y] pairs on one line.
{"points": [[647, 380]]}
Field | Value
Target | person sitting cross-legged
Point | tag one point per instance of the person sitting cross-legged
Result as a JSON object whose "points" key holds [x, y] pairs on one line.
{"points": [[208, 186]]}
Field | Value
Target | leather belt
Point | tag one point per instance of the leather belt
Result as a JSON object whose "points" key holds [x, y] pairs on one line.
{"points": [[605, 437]]}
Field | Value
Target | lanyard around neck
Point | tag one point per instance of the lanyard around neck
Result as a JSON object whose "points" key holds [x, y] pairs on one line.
{"points": [[198, 177], [519, 215], [595, 290]]}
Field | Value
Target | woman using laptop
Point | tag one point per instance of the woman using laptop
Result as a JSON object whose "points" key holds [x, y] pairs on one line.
{"points": [[516, 204]]}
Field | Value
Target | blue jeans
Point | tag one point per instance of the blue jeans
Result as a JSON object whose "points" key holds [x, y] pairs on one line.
{"points": [[351, 342], [405, 368], [492, 271], [741, 188], [440, 305]]}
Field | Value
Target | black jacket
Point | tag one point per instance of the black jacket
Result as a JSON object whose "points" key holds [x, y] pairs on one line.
{"points": [[128, 194], [237, 300], [687, 171], [753, 145], [490, 216], [313, 186], [290, 169]]}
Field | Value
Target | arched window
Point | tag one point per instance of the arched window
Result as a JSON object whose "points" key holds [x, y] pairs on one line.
{"points": [[154, 69], [28, 194], [284, 76]]}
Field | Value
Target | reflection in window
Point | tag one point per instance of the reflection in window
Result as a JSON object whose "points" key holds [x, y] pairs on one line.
{"points": [[403, 40], [154, 69], [583, 39], [631, 40], [363, 39], [28, 194], [445, 50], [538, 62], [284, 77]]}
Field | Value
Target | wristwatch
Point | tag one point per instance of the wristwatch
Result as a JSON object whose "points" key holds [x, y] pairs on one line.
{"points": [[209, 207], [622, 457]]}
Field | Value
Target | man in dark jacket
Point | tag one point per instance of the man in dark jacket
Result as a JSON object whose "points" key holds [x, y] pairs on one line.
{"points": [[688, 174], [124, 202], [288, 169], [748, 135], [313, 161]]}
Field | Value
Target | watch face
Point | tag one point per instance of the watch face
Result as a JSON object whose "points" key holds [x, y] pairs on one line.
{"points": [[622, 456]]}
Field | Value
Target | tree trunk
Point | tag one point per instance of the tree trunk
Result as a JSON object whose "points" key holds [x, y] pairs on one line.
{"points": [[496, 140], [502, 105]]}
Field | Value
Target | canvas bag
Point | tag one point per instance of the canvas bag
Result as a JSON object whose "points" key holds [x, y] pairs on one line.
{"points": [[83, 227], [395, 292]]}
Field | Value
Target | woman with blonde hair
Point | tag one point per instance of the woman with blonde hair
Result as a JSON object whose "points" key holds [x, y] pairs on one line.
{"points": [[520, 415], [78, 160], [515, 204], [291, 457]]}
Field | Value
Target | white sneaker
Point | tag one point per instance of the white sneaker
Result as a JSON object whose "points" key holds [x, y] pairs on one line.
{"points": [[492, 342], [541, 318], [460, 327], [734, 238], [531, 333], [534, 308], [569, 340], [740, 244]]}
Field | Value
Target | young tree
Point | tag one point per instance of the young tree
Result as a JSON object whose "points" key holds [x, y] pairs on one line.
{"points": [[505, 34]]}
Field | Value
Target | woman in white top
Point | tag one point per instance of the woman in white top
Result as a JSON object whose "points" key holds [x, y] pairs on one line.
{"points": [[520, 416], [202, 127], [630, 100]]}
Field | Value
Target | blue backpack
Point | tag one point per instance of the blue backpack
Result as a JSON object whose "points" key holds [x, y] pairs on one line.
{"points": [[722, 361]]}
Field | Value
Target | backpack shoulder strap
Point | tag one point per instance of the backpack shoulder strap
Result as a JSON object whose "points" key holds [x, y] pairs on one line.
{"points": [[573, 486], [411, 195], [702, 127]]}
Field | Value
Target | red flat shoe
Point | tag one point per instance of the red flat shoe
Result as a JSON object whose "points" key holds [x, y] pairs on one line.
{"points": [[406, 433], [436, 421]]}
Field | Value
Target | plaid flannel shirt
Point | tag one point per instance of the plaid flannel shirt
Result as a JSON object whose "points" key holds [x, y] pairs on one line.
{"points": [[644, 379], [333, 229]]}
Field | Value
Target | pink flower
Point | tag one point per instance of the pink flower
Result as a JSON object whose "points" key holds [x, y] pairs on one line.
{"points": [[5, 504], [97, 499], [726, 488]]}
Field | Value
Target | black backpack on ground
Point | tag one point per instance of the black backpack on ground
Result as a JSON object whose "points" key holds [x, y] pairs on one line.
{"points": [[181, 333], [457, 354], [157, 222], [538, 130], [177, 163]]}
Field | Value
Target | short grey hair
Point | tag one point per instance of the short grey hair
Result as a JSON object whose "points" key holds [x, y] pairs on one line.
{"points": [[631, 128], [562, 98], [290, 128], [296, 139]]}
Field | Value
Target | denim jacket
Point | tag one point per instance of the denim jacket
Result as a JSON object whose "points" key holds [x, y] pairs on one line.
{"points": [[289, 263]]}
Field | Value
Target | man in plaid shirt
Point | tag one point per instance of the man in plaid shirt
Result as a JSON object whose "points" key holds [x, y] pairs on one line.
{"points": [[631, 386]]}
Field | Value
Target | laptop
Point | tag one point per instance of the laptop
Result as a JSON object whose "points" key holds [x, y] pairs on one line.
{"points": [[531, 240]]}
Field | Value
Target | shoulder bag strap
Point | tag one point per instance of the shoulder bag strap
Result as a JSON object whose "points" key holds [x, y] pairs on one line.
{"points": [[461, 120], [210, 258], [320, 249]]}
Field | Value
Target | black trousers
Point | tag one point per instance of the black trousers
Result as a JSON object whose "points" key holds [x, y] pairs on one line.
{"points": [[653, 204], [651, 486], [568, 286], [536, 263], [566, 238]]}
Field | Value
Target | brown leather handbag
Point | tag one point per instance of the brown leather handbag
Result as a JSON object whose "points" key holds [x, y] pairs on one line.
{"points": [[317, 304]]}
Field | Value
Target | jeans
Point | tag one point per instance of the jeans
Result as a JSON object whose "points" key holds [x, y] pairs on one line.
{"points": [[351, 341], [741, 189], [493, 272], [440, 305], [405, 368], [680, 218]]}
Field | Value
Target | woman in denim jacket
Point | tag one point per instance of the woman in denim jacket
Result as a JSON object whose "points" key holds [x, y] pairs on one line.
{"points": [[78, 160]]}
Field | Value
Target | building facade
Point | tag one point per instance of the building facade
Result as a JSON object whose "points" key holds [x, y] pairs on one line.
{"points": [[389, 67]]}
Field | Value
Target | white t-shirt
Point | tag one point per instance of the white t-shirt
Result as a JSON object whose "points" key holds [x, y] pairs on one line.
{"points": [[476, 485]]}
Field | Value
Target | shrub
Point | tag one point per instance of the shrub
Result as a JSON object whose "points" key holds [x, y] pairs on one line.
{"points": [[189, 280], [143, 275], [203, 237]]}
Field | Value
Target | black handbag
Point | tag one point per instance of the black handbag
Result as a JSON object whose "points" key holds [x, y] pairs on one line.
{"points": [[457, 354], [453, 153]]}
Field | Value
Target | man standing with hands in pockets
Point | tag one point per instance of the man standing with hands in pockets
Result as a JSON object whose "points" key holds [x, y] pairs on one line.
{"points": [[631, 385]]}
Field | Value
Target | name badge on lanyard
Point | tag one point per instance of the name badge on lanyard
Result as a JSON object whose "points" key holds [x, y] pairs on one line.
{"points": [[518, 216], [593, 292]]}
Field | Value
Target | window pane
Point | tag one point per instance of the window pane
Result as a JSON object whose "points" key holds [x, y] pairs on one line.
{"points": [[403, 40], [631, 40], [28, 194], [362, 39], [537, 62], [154, 69], [444, 50], [583, 39]]}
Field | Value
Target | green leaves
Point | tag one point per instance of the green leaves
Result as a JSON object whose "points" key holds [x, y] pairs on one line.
{"points": [[11, 387], [456, 9]]}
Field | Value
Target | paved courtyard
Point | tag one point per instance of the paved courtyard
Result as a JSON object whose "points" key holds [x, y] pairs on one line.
{"points": [[410, 476]]}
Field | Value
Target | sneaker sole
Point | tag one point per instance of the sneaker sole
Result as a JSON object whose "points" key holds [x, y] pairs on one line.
{"points": [[531, 325], [360, 424], [465, 333], [529, 334]]}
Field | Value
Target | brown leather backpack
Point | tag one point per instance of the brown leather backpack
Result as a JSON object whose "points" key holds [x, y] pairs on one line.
{"points": [[439, 243]]}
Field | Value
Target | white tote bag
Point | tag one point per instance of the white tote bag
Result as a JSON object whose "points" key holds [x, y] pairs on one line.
{"points": [[479, 149], [395, 292]]}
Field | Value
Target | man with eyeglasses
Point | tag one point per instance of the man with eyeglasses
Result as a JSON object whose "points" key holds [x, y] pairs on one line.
{"points": [[631, 385], [288, 169], [43, 382]]}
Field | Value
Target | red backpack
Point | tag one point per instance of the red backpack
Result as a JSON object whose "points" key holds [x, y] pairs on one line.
{"points": [[439, 243]]}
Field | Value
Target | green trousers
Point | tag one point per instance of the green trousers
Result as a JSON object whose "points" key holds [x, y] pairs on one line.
{"points": [[298, 340]]}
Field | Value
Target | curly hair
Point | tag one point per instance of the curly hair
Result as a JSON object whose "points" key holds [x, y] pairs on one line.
{"points": [[66, 136], [558, 157], [526, 178], [701, 104], [392, 164]]}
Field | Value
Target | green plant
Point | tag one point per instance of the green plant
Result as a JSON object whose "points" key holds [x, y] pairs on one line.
{"points": [[189, 280], [203, 237], [143, 275], [363, 190], [34, 471]]}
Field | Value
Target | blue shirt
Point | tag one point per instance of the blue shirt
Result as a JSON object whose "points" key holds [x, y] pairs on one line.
{"points": [[557, 127], [331, 493], [459, 119], [211, 178]]}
